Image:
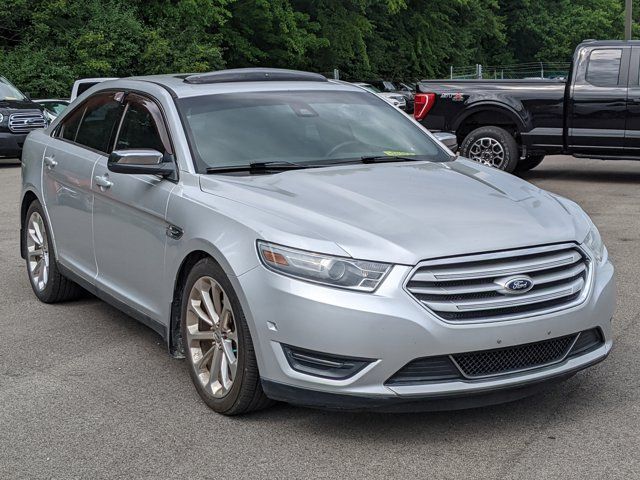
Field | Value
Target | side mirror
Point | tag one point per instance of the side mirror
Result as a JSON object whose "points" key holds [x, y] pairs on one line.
{"points": [[142, 161]]}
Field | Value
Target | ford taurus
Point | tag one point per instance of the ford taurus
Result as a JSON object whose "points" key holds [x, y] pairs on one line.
{"points": [[299, 239]]}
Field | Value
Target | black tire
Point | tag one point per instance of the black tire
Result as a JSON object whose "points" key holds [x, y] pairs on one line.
{"points": [[529, 163], [510, 151], [246, 394], [57, 288]]}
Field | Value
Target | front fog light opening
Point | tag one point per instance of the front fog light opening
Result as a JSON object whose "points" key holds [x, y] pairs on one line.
{"points": [[323, 365]]}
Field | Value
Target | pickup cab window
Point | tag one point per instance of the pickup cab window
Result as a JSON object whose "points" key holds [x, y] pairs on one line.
{"points": [[604, 67]]}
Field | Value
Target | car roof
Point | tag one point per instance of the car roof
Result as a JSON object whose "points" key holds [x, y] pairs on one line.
{"points": [[94, 80], [180, 87], [609, 43]]}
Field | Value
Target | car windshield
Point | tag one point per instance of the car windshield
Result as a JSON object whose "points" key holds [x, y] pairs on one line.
{"points": [[238, 129], [54, 107], [8, 91], [371, 88]]}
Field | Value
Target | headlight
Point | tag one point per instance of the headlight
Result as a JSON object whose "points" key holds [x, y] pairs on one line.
{"points": [[1, 118], [329, 270], [594, 243]]}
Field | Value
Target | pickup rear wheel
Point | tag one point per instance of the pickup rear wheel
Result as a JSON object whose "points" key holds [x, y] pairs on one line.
{"points": [[492, 146], [529, 163]]}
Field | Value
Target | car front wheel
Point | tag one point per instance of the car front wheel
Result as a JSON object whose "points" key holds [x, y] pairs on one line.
{"points": [[217, 343]]}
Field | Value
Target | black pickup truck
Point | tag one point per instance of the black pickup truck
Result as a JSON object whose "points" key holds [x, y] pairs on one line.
{"points": [[513, 124], [18, 116]]}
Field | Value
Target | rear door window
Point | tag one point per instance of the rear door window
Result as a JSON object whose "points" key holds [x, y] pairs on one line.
{"points": [[69, 126], [100, 116], [603, 69]]}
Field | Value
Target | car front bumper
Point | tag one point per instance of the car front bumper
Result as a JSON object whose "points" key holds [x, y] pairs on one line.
{"points": [[392, 329], [11, 144]]}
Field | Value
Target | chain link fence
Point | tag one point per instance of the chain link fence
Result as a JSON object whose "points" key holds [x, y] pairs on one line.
{"points": [[513, 71]]}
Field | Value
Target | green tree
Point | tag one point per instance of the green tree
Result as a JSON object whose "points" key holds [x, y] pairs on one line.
{"points": [[182, 36], [270, 33], [49, 44], [549, 30]]}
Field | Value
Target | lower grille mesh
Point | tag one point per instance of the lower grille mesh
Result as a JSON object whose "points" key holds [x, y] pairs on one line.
{"points": [[506, 360], [488, 363]]}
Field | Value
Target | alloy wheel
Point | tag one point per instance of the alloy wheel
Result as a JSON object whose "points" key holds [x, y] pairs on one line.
{"points": [[212, 337], [488, 151], [37, 251]]}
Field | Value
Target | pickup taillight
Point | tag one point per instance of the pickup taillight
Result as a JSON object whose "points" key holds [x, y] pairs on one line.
{"points": [[423, 103]]}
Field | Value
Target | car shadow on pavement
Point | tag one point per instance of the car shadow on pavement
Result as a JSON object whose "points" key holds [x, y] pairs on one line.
{"points": [[588, 176], [10, 162]]}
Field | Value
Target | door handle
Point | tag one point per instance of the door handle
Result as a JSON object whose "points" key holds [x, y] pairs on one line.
{"points": [[50, 162], [103, 181]]}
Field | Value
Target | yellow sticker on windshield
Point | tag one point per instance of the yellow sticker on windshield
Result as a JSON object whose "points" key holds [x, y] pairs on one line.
{"points": [[394, 153]]}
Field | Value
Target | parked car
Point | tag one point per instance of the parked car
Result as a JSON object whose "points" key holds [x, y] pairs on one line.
{"points": [[396, 88], [52, 107], [84, 84], [18, 117], [513, 124], [408, 87], [394, 99], [299, 239], [448, 139]]}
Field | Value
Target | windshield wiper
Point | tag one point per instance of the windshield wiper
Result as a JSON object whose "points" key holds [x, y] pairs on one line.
{"points": [[260, 167], [389, 158]]}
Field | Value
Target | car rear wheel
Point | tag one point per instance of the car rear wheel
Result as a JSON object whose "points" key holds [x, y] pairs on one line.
{"points": [[217, 343], [49, 285], [529, 163], [492, 146]]}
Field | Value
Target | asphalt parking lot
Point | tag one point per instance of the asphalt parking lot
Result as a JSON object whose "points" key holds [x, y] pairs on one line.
{"points": [[86, 392]]}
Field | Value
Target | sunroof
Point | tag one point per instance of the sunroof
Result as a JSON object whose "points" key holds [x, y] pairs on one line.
{"points": [[254, 75]]}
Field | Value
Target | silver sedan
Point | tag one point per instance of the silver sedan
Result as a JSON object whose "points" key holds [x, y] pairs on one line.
{"points": [[300, 239]]}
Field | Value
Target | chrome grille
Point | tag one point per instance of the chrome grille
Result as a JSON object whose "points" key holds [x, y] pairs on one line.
{"points": [[472, 288], [25, 122]]}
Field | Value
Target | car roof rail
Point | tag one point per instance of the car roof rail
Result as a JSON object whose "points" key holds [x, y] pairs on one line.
{"points": [[254, 75]]}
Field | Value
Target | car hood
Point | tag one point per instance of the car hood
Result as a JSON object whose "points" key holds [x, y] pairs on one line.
{"points": [[18, 105], [405, 212]]}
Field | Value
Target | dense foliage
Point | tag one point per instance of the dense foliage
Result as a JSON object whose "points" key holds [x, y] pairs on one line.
{"points": [[46, 44]]}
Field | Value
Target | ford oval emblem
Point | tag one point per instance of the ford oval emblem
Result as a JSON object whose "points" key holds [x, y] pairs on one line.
{"points": [[518, 284]]}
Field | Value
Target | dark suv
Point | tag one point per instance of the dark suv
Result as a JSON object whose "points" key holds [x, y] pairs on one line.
{"points": [[18, 116]]}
